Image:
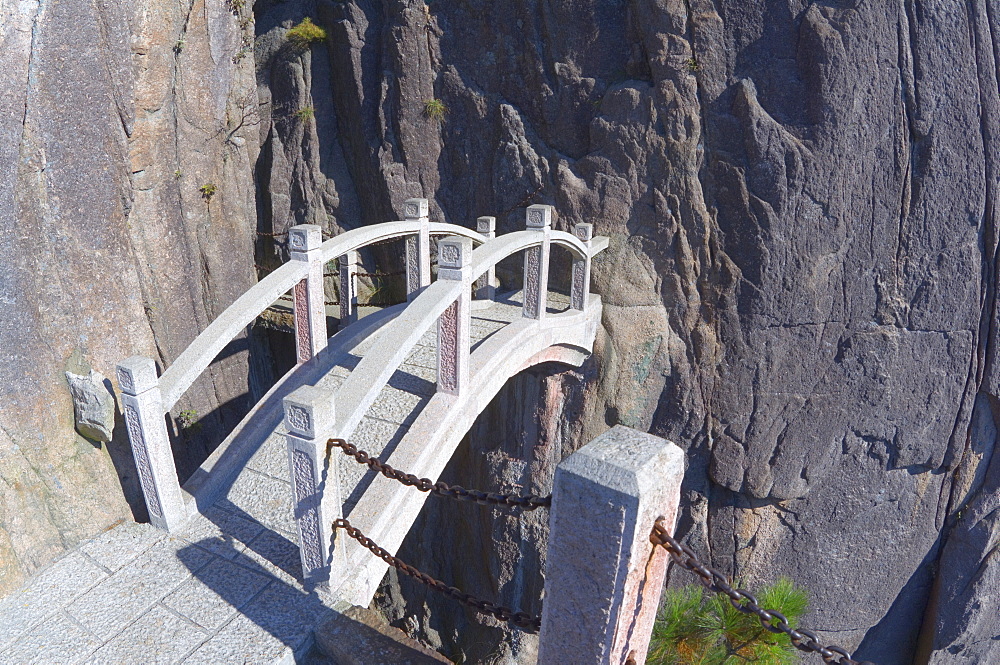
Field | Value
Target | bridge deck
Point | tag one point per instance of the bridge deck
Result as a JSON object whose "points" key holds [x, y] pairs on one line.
{"points": [[227, 587]]}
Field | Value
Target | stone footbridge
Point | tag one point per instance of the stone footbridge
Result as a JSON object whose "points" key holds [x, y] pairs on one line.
{"points": [[239, 563]]}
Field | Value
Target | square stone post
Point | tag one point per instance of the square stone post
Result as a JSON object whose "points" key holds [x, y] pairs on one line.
{"points": [[142, 407], [347, 265], [308, 301], [536, 262], [580, 287], [418, 248], [603, 578], [454, 334], [485, 289], [309, 421]]}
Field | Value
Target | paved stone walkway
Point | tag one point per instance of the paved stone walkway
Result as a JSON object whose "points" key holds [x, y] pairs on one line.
{"points": [[226, 588]]}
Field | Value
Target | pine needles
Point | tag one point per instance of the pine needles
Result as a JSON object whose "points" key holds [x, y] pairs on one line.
{"points": [[694, 629]]}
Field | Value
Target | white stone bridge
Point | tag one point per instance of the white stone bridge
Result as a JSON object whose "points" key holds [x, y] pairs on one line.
{"points": [[240, 563]]}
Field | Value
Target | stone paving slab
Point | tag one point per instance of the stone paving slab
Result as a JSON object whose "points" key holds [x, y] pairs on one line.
{"points": [[158, 637], [133, 590], [59, 639], [265, 498], [47, 593], [213, 597]]}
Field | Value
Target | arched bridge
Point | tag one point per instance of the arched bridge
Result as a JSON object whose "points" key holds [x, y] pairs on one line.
{"points": [[405, 383]]}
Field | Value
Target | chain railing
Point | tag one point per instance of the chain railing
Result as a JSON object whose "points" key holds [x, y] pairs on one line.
{"points": [[524, 502], [522, 620], [771, 620]]}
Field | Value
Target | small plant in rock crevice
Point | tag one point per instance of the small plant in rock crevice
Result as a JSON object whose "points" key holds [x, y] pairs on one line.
{"points": [[305, 34], [305, 113], [435, 110], [188, 420], [208, 190]]}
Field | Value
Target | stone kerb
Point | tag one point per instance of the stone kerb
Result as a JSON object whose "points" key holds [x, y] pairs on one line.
{"points": [[308, 298], [418, 247], [454, 324], [603, 578], [536, 262], [309, 420], [580, 286], [142, 406], [485, 287]]}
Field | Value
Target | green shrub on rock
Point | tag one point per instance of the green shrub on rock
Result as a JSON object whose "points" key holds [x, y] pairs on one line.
{"points": [[695, 628], [305, 34]]}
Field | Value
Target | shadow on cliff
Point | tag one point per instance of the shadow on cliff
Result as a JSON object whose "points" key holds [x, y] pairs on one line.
{"points": [[893, 640]]}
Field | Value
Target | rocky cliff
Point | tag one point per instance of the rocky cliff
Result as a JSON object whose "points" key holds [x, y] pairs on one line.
{"points": [[115, 116], [800, 289]]}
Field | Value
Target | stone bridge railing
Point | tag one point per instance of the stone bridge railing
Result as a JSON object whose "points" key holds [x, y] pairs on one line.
{"points": [[146, 398], [312, 415]]}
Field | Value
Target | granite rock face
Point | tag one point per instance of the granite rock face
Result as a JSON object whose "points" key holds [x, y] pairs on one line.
{"points": [[114, 114], [800, 287]]}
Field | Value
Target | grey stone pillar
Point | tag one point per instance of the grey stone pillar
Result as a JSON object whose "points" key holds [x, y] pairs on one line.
{"points": [[347, 265], [309, 421], [310, 310], [142, 407], [580, 287], [485, 289], [418, 248], [454, 335], [603, 578], [536, 262]]}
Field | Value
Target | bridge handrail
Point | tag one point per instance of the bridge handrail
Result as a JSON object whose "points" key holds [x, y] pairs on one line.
{"points": [[394, 342], [199, 354]]}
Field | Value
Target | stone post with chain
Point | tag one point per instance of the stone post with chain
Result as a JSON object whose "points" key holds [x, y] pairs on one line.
{"points": [[603, 576], [316, 500]]}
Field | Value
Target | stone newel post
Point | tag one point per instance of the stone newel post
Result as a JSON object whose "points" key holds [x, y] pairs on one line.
{"points": [[454, 323], [347, 265], [147, 432], [536, 262], [485, 289], [603, 578], [309, 420], [310, 310], [418, 248], [580, 288]]}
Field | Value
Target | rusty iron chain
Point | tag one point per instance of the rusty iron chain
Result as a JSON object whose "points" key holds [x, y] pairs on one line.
{"points": [[526, 502], [771, 620], [522, 620]]}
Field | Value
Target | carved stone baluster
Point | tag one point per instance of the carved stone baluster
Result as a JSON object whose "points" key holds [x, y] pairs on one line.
{"points": [[454, 334], [536, 262], [580, 288], [418, 248], [485, 285], [308, 299], [347, 265], [142, 407]]}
